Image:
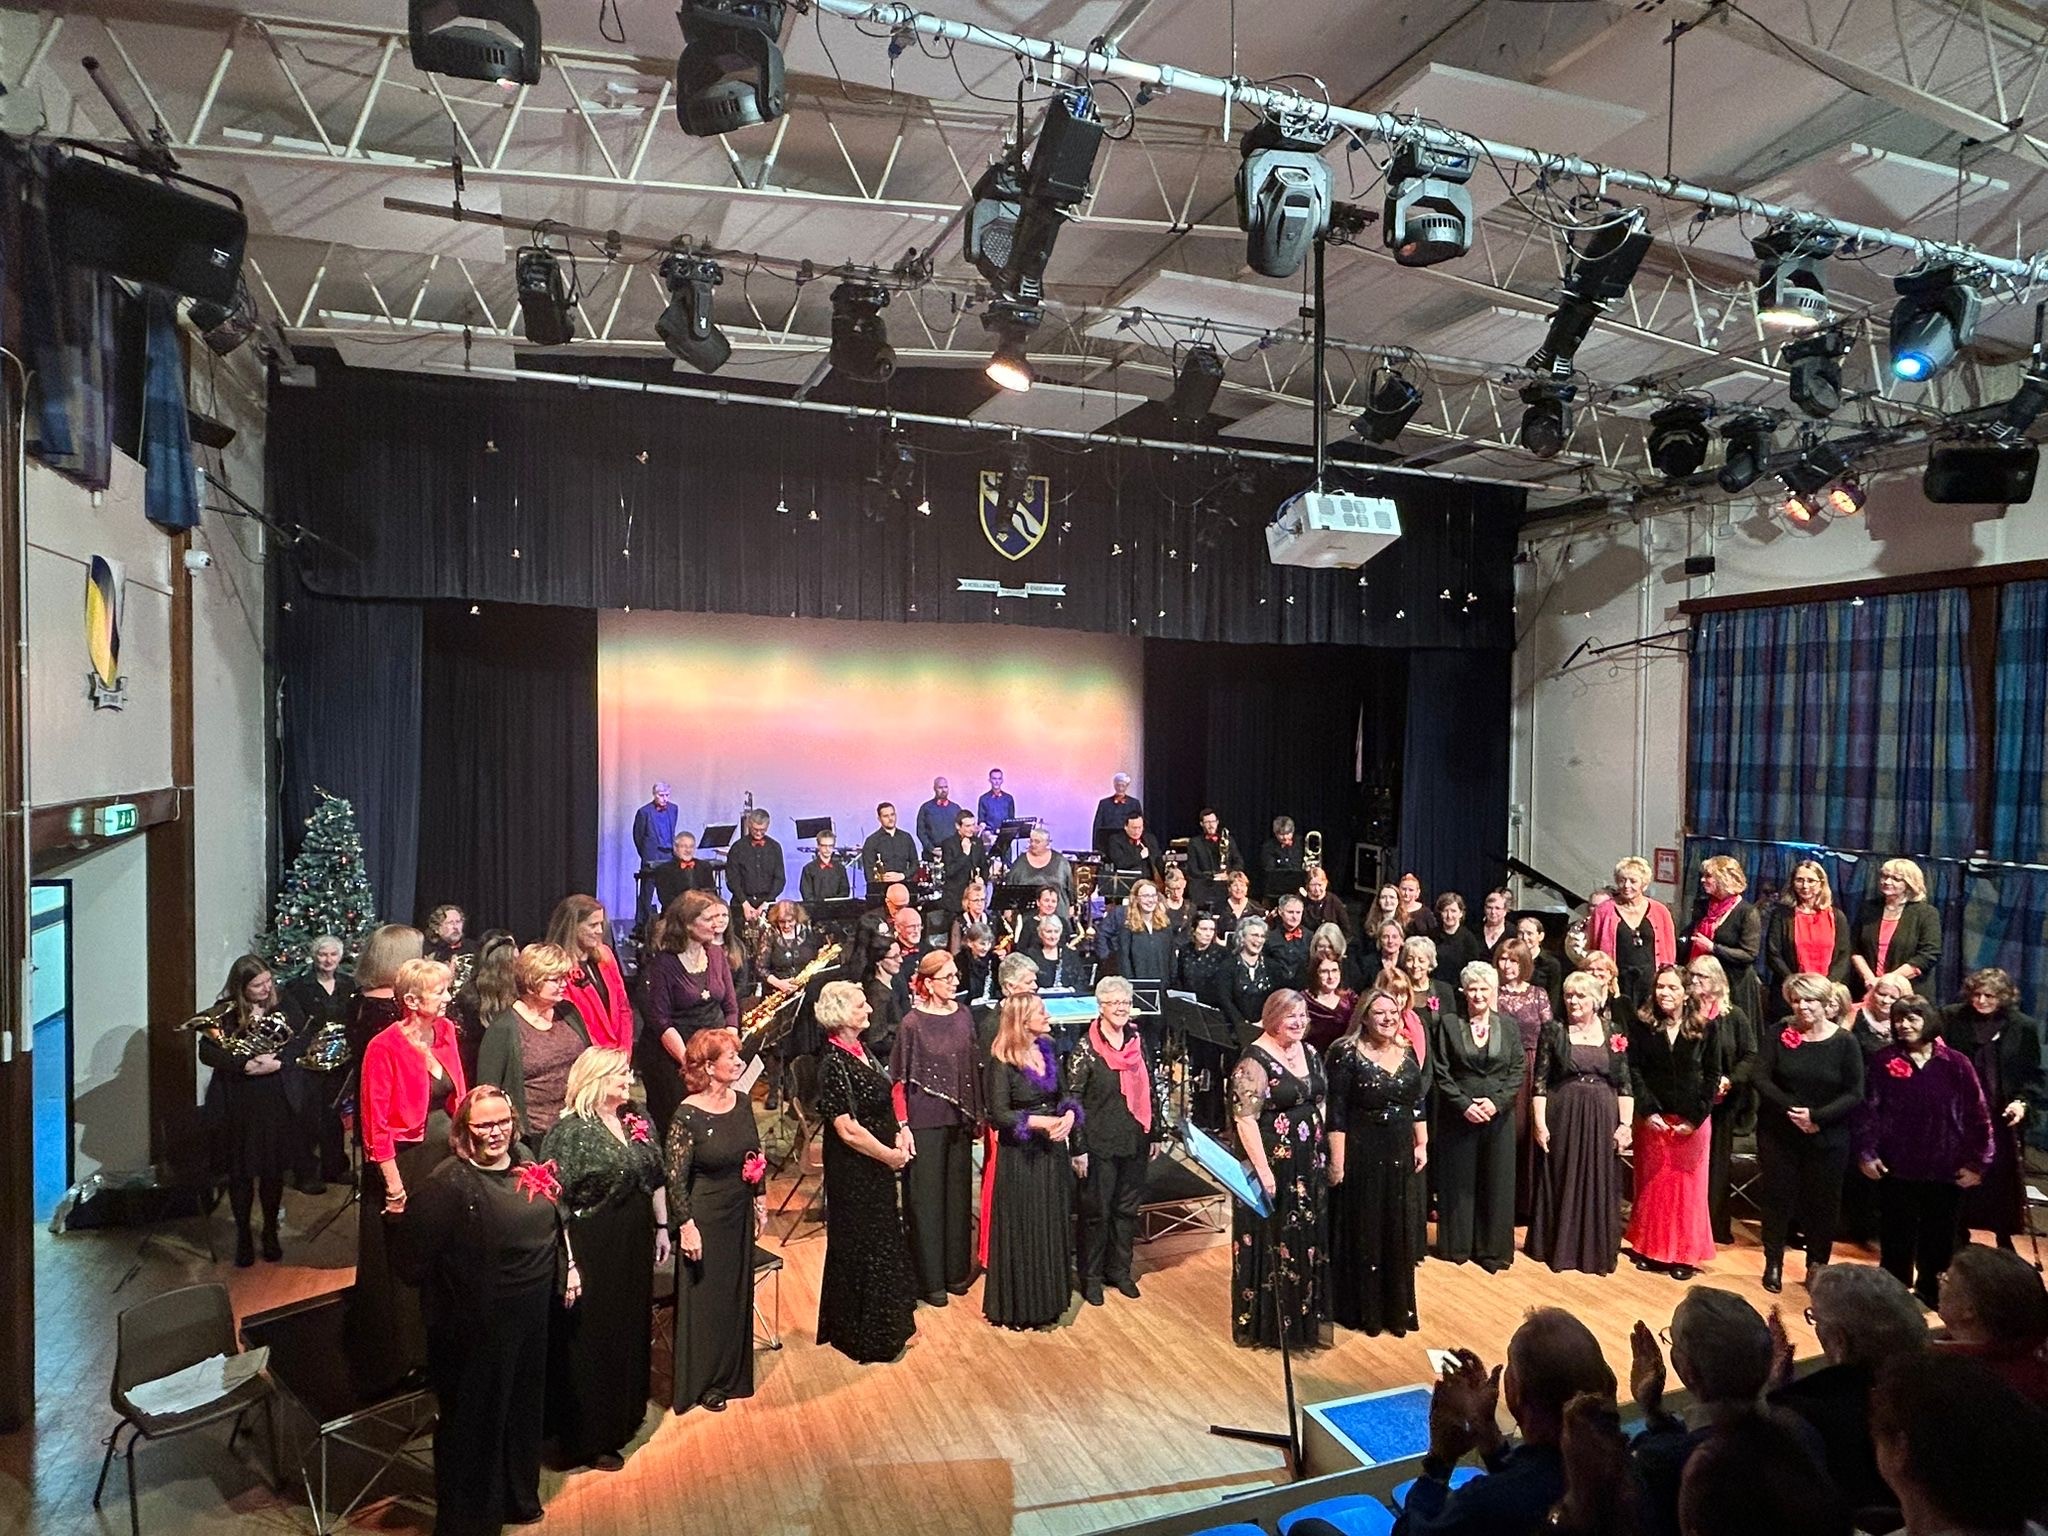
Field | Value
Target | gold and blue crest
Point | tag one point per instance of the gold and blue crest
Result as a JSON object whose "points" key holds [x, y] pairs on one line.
{"points": [[1014, 526]]}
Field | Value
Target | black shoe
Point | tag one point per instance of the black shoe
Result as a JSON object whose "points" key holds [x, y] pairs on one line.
{"points": [[1127, 1287], [245, 1249], [610, 1461], [1774, 1278], [311, 1184], [273, 1250], [1091, 1292], [713, 1400], [960, 1289], [1681, 1271], [1647, 1266], [935, 1299], [533, 1519]]}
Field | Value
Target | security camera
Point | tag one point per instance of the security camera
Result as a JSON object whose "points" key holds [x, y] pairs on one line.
{"points": [[197, 560]]}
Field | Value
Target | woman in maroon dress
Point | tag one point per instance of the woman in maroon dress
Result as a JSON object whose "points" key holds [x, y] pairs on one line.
{"points": [[1330, 1002], [1583, 1111], [1524, 1002]]}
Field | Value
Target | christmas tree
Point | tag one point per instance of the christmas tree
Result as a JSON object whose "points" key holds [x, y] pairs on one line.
{"points": [[327, 890]]}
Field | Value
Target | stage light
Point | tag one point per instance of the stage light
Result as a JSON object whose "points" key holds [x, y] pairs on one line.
{"points": [[1547, 419], [1746, 452], [686, 327], [476, 39], [1602, 267], [1283, 194], [544, 299], [1013, 325], [1427, 215], [1815, 363], [224, 327], [1015, 218], [1791, 294], [1195, 386], [1016, 487], [989, 230], [1678, 439], [1389, 407], [860, 337], [1846, 497], [1806, 480], [1805, 511], [1935, 317], [730, 73]]}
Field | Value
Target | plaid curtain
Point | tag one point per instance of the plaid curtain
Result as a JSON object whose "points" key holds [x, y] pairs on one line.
{"points": [[1844, 724], [2019, 786]]}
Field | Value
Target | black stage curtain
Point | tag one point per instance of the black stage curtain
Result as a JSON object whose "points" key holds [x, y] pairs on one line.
{"points": [[507, 762], [1454, 777], [484, 491], [1259, 731]]}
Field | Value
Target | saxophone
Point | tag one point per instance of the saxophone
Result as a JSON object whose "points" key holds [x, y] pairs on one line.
{"points": [[759, 1021]]}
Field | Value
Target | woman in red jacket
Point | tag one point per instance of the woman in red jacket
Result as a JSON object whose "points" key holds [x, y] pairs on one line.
{"points": [[597, 989]]}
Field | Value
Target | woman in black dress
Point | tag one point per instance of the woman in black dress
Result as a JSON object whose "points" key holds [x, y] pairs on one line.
{"points": [[1582, 1113], [1734, 1036], [1899, 931], [482, 1239], [1476, 1062], [1251, 979], [2004, 1045], [1457, 946], [492, 988], [867, 1300], [1809, 1078], [1379, 1146], [1528, 1005], [715, 1173], [615, 1208], [689, 987], [1112, 1076], [1031, 1187], [323, 995], [938, 1095], [530, 1048], [251, 1106], [374, 1007], [1726, 926], [1280, 1264], [1432, 1000], [1636, 929]]}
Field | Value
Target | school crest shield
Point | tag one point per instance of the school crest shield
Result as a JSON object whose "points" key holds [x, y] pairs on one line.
{"points": [[1014, 527]]}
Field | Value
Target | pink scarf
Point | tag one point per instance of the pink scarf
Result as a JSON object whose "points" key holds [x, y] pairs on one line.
{"points": [[1130, 1070], [1717, 909]]}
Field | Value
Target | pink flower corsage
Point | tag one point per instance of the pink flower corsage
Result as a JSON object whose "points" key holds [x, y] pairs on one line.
{"points": [[1617, 1043], [538, 1181], [1790, 1038], [1898, 1066], [636, 1127], [755, 1168]]}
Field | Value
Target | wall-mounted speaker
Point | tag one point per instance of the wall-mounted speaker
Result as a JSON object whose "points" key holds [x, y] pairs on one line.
{"points": [[137, 227]]}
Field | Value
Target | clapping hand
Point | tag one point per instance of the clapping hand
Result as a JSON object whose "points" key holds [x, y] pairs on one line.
{"points": [[1462, 1408], [1646, 1369], [1781, 1352]]}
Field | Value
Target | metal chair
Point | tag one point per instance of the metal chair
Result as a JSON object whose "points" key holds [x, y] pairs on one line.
{"points": [[158, 1338]]}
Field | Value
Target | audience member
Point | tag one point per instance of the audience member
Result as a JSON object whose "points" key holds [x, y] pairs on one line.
{"points": [[1995, 1309], [1752, 1477], [1960, 1448]]}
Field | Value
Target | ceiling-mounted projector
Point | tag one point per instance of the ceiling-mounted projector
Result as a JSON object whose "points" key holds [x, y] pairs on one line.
{"points": [[1331, 530]]}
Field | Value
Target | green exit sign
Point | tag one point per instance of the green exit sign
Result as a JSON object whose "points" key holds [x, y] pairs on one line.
{"points": [[115, 820]]}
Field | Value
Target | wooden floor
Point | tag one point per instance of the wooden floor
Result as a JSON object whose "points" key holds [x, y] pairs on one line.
{"points": [[977, 1430]]}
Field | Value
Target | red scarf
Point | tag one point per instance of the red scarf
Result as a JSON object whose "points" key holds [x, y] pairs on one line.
{"points": [[1717, 909], [1129, 1064], [849, 1047]]}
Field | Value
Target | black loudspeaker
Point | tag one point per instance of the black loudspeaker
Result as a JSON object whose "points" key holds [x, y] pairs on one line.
{"points": [[135, 226], [1980, 472]]}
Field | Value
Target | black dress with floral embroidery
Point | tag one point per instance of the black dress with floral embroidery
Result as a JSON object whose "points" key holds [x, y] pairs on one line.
{"points": [[1280, 1265]]}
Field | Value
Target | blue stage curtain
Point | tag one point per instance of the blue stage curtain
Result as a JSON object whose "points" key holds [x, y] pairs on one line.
{"points": [[2019, 785], [170, 487]]}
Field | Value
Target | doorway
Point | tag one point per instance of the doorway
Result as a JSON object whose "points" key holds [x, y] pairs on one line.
{"points": [[50, 1024]]}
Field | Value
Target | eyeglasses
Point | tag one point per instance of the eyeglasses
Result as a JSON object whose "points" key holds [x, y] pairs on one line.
{"points": [[1664, 1336], [1810, 1319], [490, 1127]]}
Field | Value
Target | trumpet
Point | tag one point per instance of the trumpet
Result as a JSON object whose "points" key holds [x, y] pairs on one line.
{"points": [[1311, 851]]}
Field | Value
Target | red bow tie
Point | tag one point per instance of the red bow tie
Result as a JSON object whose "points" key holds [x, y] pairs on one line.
{"points": [[686, 863], [758, 842]]}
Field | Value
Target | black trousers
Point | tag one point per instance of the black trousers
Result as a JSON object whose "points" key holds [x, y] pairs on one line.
{"points": [[489, 1375], [323, 1150], [1110, 1198], [1475, 1190], [1720, 1162], [938, 1208], [1917, 1231], [1799, 1178], [242, 1192]]}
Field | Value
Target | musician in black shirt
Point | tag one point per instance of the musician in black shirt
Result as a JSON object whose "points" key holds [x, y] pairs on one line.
{"points": [[1112, 809], [1212, 854], [962, 858], [685, 872], [1131, 855], [1280, 868], [889, 855], [824, 878], [754, 870]]}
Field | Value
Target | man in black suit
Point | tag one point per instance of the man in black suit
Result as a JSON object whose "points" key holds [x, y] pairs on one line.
{"points": [[824, 878], [888, 857], [1212, 854], [963, 858], [1111, 810], [685, 872], [1280, 867], [1130, 856]]}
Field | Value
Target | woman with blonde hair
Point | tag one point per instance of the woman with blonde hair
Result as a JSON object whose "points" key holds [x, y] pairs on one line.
{"points": [[1899, 932], [1809, 1077], [1809, 937], [1636, 929], [716, 1176], [374, 1007], [1145, 945], [1734, 1101], [529, 1049], [1582, 1116], [1725, 925], [1432, 1000], [1379, 1147], [597, 989], [1028, 1204], [614, 1200], [1476, 1067]]}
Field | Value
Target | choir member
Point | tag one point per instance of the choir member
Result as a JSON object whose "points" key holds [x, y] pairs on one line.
{"points": [[1174, 901], [614, 1207], [597, 988], [375, 1006], [1522, 1001], [1287, 941], [1237, 902], [889, 856], [1385, 908], [444, 930], [1199, 965], [963, 860], [1251, 977], [1280, 862], [253, 1110], [1328, 942], [1675, 1058], [654, 835], [1494, 927], [1924, 1138], [1433, 1000], [1131, 853], [1734, 1102], [1112, 810], [1899, 932], [973, 912], [1330, 1003], [715, 1177], [754, 871], [2004, 1045], [689, 989], [1635, 929], [1379, 1147], [1388, 938], [483, 1241], [1476, 1064], [1457, 946], [998, 805], [1809, 1077], [1029, 1203], [490, 990], [1320, 904], [1809, 936], [1583, 1114], [684, 872], [1280, 1264], [823, 878], [885, 1012], [1043, 865], [977, 958], [1144, 944], [1112, 1077], [1212, 855], [1600, 966], [1546, 970], [1060, 967], [938, 816], [938, 1095], [323, 996], [1414, 912], [411, 1083], [866, 1300], [529, 1049], [1727, 927]]}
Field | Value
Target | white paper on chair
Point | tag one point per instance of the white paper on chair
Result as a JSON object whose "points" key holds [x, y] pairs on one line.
{"points": [[749, 1077], [197, 1385]]}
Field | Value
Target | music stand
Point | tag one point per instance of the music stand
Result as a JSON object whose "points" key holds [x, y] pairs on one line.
{"points": [[1016, 896], [1221, 1164], [808, 827], [718, 836], [1007, 834]]}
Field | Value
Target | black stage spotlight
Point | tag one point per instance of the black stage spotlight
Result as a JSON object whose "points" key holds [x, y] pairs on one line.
{"points": [[1427, 215], [1017, 211], [1012, 324], [544, 298], [989, 230], [1746, 451], [1678, 439], [476, 39], [730, 73], [1195, 386], [1547, 419], [860, 337], [1818, 466], [1283, 194], [895, 473], [1016, 487], [1791, 295], [1391, 405], [1935, 317], [1602, 267], [1815, 363], [685, 327], [224, 327]]}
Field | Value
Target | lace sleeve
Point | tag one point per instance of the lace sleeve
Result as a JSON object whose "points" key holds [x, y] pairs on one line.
{"points": [[682, 1155], [1249, 1087]]}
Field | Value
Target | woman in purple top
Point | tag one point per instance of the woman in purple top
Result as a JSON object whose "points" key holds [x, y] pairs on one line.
{"points": [[1925, 1137], [689, 987]]}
